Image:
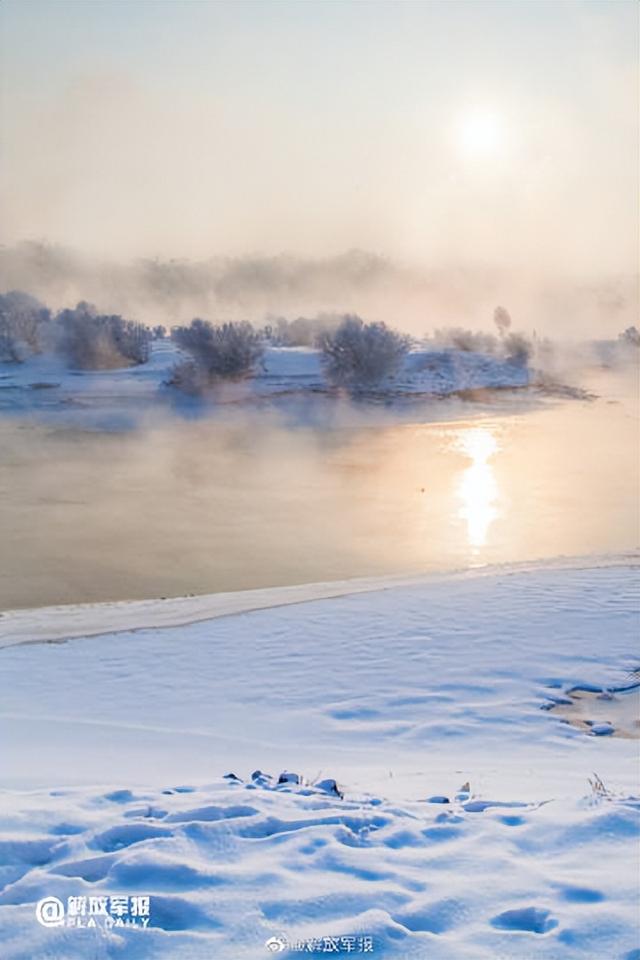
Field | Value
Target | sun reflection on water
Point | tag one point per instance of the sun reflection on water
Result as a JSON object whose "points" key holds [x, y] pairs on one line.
{"points": [[477, 488]]}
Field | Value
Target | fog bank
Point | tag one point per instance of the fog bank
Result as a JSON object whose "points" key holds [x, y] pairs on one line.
{"points": [[414, 298]]}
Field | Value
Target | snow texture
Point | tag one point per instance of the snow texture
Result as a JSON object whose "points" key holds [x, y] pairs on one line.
{"points": [[467, 826]]}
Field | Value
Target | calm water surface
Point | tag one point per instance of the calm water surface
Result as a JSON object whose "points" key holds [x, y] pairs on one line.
{"points": [[190, 507]]}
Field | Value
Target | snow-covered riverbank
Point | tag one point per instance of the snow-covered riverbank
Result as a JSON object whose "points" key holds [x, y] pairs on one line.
{"points": [[402, 695], [44, 384]]}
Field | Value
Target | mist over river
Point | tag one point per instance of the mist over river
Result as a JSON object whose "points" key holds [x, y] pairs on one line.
{"points": [[176, 506]]}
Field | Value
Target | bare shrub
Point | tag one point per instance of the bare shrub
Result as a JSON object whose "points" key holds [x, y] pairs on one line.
{"points": [[630, 337], [92, 341], [514, 347], [598, 789], [502, 320], [361, 355], [189, 377], [229, 351], [22, 319], [301, 332], [517, 348], [471, 341]]}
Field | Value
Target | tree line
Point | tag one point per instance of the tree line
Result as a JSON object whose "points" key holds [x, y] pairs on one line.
{"points": [[354, 354]]}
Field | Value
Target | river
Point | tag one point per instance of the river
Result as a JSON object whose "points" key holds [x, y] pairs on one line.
{"points": [[176, 506]]}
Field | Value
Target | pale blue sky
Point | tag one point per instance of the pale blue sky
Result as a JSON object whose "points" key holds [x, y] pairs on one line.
{"points": [[188, 127]]}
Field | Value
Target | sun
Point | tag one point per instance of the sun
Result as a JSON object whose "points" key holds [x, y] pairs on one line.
{"points": [[481, 134]]}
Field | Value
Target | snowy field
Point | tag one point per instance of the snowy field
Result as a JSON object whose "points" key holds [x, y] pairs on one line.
{"points": [[463, 824]]}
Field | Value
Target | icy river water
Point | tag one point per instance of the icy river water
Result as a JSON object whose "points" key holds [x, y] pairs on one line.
{"points": [[177, 506]]}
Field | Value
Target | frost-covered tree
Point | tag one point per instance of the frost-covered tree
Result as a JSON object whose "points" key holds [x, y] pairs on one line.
{"points": [[304, 331], [89, 340], [229, 351], [517, 348], [22, 322], [471, 341], [512, 346], [362, 355], [630, 337], [502, 320]]}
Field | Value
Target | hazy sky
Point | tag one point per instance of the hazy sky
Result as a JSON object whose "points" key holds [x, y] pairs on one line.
{"points": [[501, 132]]}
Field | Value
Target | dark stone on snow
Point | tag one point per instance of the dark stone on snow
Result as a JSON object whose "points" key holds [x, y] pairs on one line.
{"points": [[259, 777], [329, 786], [288, 778]]}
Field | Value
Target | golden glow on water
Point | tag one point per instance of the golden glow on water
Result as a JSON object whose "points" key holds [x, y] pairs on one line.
{"points": [[88, 516], [477, 487]]}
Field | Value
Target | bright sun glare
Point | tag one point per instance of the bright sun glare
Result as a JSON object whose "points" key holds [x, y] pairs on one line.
{"points": [[481, 133], [477, 488]]}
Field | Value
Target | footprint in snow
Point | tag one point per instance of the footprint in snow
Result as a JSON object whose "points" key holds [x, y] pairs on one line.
{"points": [[530, 919]]}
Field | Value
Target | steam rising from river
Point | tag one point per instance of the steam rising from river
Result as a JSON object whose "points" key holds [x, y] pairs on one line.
{"points": [[246, 499]]}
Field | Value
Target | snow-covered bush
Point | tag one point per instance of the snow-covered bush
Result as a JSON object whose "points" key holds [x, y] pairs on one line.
{"points": [[517, 348], [361, 355], [471, 341], [92, 341], [188, 376], [22, 319], [229, 351], [502, 320], [301, 332], [630, 337]]}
